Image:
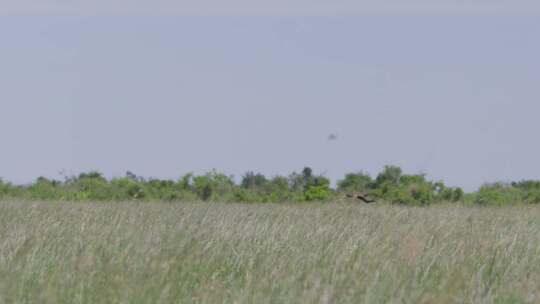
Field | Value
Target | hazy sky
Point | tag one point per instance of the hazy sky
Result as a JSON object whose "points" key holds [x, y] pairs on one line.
{"points": [[162, 88]]}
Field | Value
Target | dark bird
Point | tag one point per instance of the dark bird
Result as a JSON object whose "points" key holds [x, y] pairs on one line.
{"points": [[332, 137], [361, 197]]}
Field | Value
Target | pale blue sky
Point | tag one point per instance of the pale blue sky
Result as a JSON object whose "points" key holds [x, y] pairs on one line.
{"points": [[450, 88]]}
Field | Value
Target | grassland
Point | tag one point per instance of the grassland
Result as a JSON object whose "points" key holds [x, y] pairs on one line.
{"points": [[240, 253]]}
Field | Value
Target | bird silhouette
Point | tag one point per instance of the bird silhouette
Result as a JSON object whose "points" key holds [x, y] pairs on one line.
{"points": [[332, 137], [360, 196]]}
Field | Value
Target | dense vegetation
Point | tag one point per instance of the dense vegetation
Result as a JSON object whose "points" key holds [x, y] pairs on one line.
{"points": [[391, 185], [267, 253]]}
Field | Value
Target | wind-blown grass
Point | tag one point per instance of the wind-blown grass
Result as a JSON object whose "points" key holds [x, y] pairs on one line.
{"points": [[236, 253]]}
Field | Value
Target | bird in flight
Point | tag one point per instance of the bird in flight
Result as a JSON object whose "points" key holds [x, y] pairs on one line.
{"points": [[361, 197], [332, 137]]}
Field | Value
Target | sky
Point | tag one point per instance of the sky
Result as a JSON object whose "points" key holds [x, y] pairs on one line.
{"points": [[163, 88]]}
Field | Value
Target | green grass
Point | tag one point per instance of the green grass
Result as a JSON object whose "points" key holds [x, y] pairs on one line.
{"points": [[237, 253]]}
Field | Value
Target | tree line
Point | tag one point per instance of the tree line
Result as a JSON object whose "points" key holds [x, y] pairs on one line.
{"points": [[390, 185]]}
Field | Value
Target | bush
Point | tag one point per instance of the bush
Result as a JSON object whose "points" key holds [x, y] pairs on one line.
{"points": [[214, 186], [316, 188], [532, 196], [390, 175], [44, 189], [253, 181], [457, 195], [277, 190], [422, 193], [355, 182], [498, 194], [317, 193], [6, 189], [391, 185], [91, 186]]}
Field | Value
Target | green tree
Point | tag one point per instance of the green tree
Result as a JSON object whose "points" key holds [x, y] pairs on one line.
{"points": [[44, 189], [355, 182], [127, 189], [498, 194], [390, 175], [318, 189], [252, 181], [214, 186]]}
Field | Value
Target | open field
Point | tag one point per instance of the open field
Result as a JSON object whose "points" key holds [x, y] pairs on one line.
{"points": [[240, 253]]}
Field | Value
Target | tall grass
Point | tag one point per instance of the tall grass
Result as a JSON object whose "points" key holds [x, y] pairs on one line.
{"points": [[228, 253]]}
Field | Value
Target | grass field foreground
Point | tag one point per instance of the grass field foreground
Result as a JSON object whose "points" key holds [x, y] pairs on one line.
{"points": [[267, 253]]}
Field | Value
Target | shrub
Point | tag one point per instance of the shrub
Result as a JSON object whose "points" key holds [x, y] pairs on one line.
{"points": [[458, 195], [391, 185], [317, 188], [497, 194], [422, 193], [355, 182], [532, 196], [317, 193], [165, 190], [253, 181], [277, 190], [6, 189], [126, 188], [390, 175], [400, 196], [44, 189], [93, 185], [213, 186]]}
